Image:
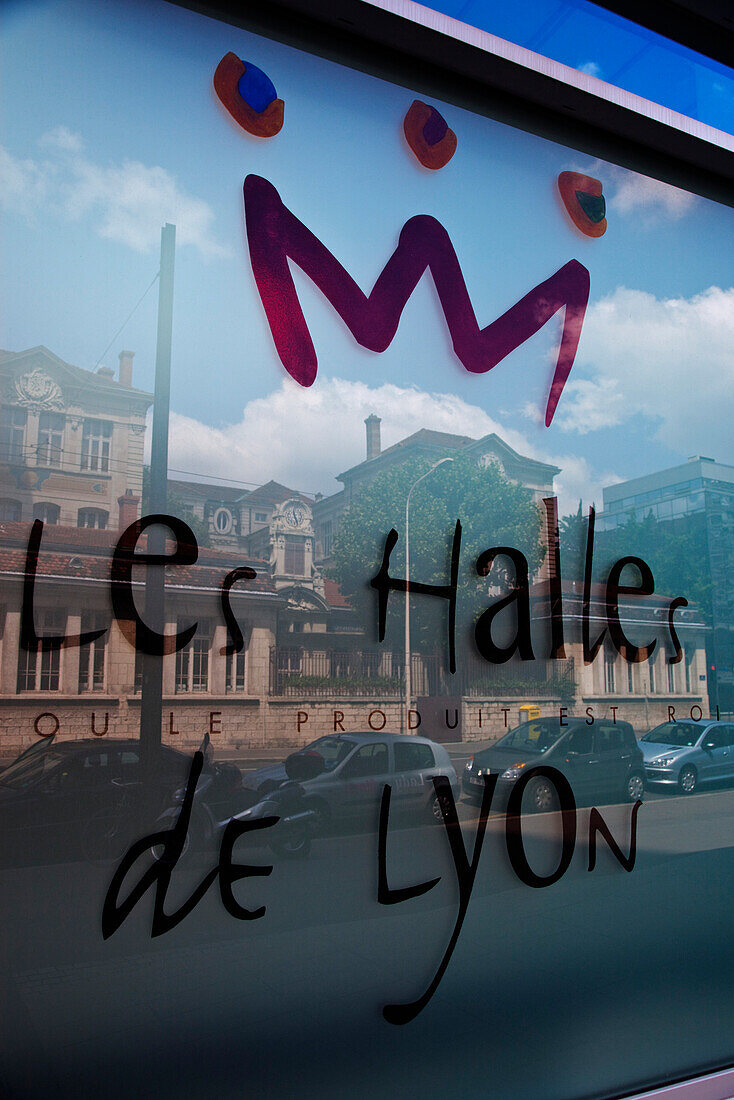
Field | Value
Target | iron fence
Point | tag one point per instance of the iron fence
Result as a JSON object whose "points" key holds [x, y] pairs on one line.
{"points": [[296, 671]]}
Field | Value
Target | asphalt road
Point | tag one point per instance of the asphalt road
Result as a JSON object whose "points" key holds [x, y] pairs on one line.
{"points": [[603, 981]]}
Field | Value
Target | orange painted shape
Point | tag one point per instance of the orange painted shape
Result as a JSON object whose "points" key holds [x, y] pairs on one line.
{"points": [[430, 156], [266, 123], [568, 184]]}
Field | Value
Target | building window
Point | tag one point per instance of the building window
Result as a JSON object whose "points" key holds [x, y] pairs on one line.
{"points": [[326, 538], [630, 677], [651, 663], [12, 434], [46, 511], [192, 662], [92, 656], [93, 517], [10, 510], [609, 680], [38, 669], [222, 521], [236, 672], [688, 655], [295, 557], [671, 677], [96, 442], [50, 439], [261, 517]]}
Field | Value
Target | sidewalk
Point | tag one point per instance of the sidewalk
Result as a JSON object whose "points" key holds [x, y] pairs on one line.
{"points": [[262, 755]]}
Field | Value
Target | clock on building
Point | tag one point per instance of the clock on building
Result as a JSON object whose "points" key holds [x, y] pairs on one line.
{"points": [[294, 513]]}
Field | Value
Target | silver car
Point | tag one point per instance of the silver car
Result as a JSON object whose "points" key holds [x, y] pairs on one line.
{"points": [[356, 767], [684, 754]]}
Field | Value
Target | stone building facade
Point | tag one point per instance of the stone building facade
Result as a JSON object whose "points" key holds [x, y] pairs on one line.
{"points": [[71, 441], [71, 454]]}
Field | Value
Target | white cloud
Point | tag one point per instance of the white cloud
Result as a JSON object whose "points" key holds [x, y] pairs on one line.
{"points": [[578, 481], [631, 193], [588, 405], [590, 68], [304, 437], [62, 138], [669, 359], [24, 185], [127, 202], [532, 411]]}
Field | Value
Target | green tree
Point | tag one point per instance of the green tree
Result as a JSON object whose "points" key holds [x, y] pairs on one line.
{"points": [[573, 531], [493, 512]]}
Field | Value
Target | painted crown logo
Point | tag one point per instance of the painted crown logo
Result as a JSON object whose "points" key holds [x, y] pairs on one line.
{"points": [[249, 95]]}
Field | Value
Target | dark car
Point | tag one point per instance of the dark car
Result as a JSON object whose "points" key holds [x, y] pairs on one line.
{"points": [[356, 767], [600, 761], [75, 799]]}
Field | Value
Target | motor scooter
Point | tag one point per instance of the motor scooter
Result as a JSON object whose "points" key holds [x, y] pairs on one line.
{"points": [[220, 798]]}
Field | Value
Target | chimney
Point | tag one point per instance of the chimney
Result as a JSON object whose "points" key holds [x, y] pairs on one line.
{"points": [[373, 436], [105, 372], [128, 505], [126, 368]]}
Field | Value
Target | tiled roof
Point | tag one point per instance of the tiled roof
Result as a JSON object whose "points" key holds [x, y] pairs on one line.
{"points": [[207, 491], [573, 593], [272, 493], [81, 553], [333, 595]]}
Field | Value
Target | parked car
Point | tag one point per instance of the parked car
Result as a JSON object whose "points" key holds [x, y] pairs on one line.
{"points": [[600, 761], [682, 755], [73, 799], [356, 767]]}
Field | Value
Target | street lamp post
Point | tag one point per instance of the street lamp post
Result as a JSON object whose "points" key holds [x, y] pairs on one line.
{"points": [[408, 685]]}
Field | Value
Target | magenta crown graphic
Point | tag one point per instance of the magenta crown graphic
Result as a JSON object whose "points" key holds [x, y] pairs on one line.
{"points": [[275, 235]]}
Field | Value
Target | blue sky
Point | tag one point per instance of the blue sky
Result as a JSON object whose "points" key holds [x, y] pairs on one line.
{"points": [[112, 127], [585, 36]]}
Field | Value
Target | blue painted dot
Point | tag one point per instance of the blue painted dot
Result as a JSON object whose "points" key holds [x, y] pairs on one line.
{"points": [[256, 88]]}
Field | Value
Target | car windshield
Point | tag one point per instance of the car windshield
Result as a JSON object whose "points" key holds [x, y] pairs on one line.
{"points": [[332, 749], [674, 733], [28, 770], [536, 736]]}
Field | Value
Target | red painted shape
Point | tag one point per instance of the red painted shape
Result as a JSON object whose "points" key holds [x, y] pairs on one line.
{"points": [[275, 235], [431, 156], [265, 123], [568, 184]]}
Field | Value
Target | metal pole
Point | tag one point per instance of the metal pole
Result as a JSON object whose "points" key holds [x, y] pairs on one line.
{"points": [[408, 670], [151, 703], [408, 685]]}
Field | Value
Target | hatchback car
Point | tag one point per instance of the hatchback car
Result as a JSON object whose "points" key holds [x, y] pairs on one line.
{"points": [[356, 767], [681, 755], [602, 760]]}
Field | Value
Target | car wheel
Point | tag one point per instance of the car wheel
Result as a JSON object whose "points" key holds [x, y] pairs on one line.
{"points": [[687, 780], [196, 839], [435, 807], [106, 836], [541, 795], [635, 787], [294, 844]]}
